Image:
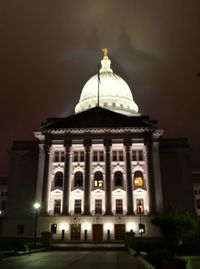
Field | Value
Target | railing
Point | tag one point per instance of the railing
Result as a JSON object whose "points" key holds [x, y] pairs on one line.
{"points": [[73, 213], [53, 213], [94, 213], [119, 214]]}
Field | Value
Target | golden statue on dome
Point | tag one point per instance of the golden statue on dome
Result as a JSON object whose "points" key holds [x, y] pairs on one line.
{"points": [[105, 52]]}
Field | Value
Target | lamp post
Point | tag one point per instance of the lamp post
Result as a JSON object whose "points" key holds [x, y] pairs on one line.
{"points": [[36, 207], [140, 224]]}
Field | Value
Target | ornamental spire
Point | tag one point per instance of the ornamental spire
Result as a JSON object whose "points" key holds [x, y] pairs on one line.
{"points": [[105, 62], [105, 52]]}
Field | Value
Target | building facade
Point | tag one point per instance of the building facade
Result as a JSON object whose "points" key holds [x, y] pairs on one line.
{"points": [[99, 172]]}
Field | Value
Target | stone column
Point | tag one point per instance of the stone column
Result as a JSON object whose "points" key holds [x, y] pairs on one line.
{"points": [[149, 157], [87, 145], [45, 186], [108, 196], [129, 180], [40, 171], [66, 186], [157, 171]]}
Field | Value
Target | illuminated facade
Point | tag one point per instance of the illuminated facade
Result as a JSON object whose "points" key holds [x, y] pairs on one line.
{"points": [[94, 173]]}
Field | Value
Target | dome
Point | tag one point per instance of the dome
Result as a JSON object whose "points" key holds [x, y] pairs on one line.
{"points": [[107, 90]]}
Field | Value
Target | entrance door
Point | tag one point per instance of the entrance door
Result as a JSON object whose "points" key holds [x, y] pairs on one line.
{"points": [[75, 231], [119, 231], [97, 232]]}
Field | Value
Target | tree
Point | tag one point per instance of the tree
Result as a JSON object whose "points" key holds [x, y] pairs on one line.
{"points": [[176, 225]]}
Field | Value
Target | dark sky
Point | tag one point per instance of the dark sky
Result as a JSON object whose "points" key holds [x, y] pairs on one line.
{"points": [[50, 48]]}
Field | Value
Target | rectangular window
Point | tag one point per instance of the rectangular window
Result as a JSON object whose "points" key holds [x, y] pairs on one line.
{"points": [[62, 156], [121, 156], [98, 206], [95, 156], [57, 207], [101, 156], [140, 155], [78, 156], [98, 156], [81, 156], [77, 206], [75, 159], [56, 156], [20, 228], [137, 155], [59, 156], [134, 155], [118, 156], [114, 154], [119, 206], [198, 203]]}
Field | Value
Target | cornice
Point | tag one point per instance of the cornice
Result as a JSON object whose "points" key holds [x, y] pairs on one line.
{"points": [[99, 130]]}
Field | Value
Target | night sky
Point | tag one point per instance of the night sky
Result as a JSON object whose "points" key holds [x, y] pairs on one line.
{"points": [[50, 48]]}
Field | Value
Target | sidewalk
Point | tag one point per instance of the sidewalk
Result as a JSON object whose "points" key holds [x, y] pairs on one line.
{"points": [[88, 246]]}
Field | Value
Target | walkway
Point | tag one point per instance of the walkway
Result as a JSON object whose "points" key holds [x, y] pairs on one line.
{"points": [[72, 260]]}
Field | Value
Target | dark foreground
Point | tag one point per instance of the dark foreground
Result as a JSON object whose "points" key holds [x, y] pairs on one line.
{"points": [[72, 260]]}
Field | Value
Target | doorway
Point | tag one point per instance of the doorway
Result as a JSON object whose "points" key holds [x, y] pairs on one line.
{"points": [[119, 231], [97, 232]]}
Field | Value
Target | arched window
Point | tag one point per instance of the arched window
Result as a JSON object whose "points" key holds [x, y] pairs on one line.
{"points": [[58, 179], [78, 179], [118, 178], [138, 179], [98, 179]]}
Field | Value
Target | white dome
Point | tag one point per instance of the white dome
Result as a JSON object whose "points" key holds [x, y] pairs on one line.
{"points": [[114, 92]]}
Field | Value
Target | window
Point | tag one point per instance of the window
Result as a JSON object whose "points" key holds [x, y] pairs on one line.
{"points": [[140, 206], [98, 206], [77, 206], [57, 207], [54, 228], [95, 158], [98, 179], [20, 228], [98, 156], [140, 155], [198, 203], [56, 156], [3, 205], [118, 156], [59, 156], [58, 182], [138, 179], [118, 178], [78, 179], [75, 156], [114, 156], [137, 155], [119, 206], [62, 156], [78, 156], [134, 155]]}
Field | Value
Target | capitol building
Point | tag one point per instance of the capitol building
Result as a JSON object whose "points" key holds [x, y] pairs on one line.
{"points": [[97, 174]]}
